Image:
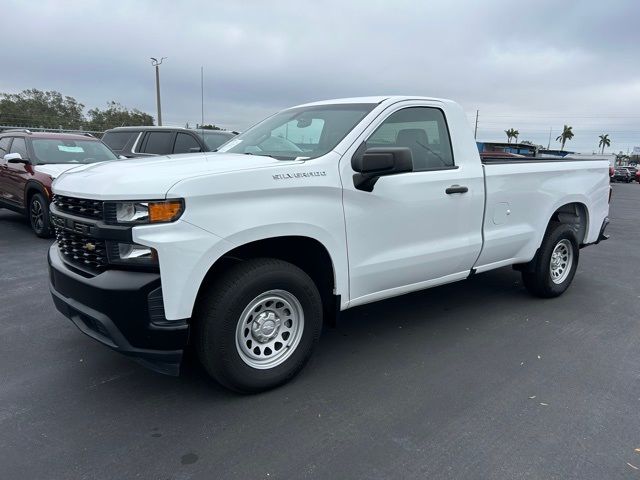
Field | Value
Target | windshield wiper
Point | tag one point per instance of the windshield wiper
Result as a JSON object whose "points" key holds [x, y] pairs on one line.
{"points": [[276, 157]]}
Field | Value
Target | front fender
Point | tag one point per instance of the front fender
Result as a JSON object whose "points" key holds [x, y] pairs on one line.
{"points": [[337, 250]]}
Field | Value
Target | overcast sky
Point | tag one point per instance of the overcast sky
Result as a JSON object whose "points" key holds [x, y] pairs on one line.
{"points": [[530, 65]]}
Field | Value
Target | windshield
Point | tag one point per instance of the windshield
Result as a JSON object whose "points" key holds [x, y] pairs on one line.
{"points": [[49, 150], [304, 132]]}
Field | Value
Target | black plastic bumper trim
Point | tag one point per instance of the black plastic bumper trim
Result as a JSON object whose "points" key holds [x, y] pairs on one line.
{"points": [[113, 308]]}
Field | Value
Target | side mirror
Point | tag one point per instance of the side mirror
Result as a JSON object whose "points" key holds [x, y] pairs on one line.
{"points": [[378, 162], [15, 158], [122, 157]]}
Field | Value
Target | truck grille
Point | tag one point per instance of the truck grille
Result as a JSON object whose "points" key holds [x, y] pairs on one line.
{"points": [[82, 250], [82, 207]]}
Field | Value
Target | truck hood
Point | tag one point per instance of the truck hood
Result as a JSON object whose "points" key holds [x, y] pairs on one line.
{"points": [[54, 170], [151, 177]]}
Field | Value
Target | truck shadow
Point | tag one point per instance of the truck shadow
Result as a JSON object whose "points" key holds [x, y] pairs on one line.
{"points": [[384, 325]]}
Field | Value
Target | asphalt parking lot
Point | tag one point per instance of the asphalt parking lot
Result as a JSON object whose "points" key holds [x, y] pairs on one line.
{"points": [[471, 380]]}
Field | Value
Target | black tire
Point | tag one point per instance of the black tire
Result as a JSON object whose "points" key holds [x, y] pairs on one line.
{"points": [[221, 309], [538, 279], [38, 214]]}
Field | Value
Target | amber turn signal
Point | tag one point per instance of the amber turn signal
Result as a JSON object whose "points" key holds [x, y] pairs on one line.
{"points": [[164, 211]]}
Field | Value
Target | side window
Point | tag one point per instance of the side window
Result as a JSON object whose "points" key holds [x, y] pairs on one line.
{"points": [[423, 130], [118, 140], [4, 145], [158, 143], [19, 146], [184, 143]]}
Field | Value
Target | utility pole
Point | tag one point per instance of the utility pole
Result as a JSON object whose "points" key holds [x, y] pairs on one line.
{"points": [[202, 94], [156, 63], [475, 132], [549, 144]]}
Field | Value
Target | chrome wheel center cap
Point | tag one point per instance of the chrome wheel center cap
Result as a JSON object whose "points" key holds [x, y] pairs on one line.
{"points": [[265, 326]]}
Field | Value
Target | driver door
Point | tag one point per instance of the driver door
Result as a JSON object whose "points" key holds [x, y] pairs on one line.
{"points": [[412, 230]]}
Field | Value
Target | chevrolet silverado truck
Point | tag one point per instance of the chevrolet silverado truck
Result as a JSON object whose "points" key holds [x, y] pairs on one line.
{"points": [[241, 254]]}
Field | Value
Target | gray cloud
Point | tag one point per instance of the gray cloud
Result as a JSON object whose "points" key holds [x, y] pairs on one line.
{"points": [[528, 65]]}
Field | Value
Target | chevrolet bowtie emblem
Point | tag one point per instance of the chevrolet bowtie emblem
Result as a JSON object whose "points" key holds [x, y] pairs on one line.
{"points": [[89, 246]]}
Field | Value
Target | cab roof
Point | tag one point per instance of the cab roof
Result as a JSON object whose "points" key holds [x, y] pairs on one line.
{"points": [[373, 99]]}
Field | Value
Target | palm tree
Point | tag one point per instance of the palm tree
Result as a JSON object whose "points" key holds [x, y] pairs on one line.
{"points": [[511, 133], [567, 134], [516, 134], [605, 141]]}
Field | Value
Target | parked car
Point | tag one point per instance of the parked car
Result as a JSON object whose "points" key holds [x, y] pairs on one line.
{"points": [[30, 161], [622, 174], [147, 141], [319, 208], [633, 172]]}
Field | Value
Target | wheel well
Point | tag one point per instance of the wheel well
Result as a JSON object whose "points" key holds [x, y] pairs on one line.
{"points": [[306, 253], [30, 190], [576, 215]]}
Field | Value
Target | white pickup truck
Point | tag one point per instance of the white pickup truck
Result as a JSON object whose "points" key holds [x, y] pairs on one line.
{"points": [[319, 208]]}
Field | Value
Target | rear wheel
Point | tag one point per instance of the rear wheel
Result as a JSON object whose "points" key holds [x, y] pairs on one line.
{"points": [[555, 264], [39, 215], [258, 324]]}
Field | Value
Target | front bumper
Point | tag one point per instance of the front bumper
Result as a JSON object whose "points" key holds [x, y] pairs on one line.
{"points": [[122, 310]]}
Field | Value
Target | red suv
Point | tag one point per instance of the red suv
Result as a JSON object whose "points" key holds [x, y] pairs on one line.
{"points": [[29, 162]]}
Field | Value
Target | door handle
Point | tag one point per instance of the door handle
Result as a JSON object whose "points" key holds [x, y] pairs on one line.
{"points": [[456, 189]]}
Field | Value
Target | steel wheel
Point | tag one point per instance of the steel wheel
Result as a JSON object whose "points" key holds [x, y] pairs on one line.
{"points": [[561, 261], [37, 215], [269, 329]]}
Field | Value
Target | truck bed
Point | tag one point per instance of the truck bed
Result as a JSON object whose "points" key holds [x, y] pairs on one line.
{"points": [[521, 195]]}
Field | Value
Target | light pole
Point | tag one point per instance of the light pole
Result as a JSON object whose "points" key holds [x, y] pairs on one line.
{"points": [[156, 63]]}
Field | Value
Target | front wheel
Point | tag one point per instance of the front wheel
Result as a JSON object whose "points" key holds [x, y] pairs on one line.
{"points": [[39, 215], [258, 324], [555, 264]]}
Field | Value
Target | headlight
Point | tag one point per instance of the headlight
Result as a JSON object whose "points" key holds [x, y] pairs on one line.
{"points": [[143, 212], [120, 253]]}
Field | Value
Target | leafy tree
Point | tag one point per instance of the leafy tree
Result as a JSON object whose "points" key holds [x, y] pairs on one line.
{"points": [[515, 134], [605, 141], [209, 127], [567, 134], [37, 108], [116, 115]]}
